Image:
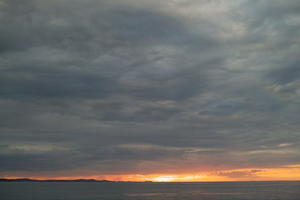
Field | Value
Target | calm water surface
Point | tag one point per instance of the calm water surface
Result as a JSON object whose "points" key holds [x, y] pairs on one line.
{"points": [[151, 191]]}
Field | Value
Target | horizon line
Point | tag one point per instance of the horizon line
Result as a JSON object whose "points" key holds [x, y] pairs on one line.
{"points": [[26, 179]]}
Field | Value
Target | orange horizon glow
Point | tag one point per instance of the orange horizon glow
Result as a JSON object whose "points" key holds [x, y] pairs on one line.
{"points": [[287, 173]]}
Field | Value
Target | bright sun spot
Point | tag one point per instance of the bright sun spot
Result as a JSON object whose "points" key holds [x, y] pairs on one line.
{"points": [[177, 178]]}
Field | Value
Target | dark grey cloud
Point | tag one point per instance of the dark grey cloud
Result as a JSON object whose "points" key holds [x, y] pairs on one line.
{"points": [[122, 86]]}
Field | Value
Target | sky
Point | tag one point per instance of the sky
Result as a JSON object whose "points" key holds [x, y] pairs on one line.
{"points": [[173, 90]]}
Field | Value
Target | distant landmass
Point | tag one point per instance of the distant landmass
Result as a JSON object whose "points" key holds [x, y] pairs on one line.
{"points": [[52, 180], [72, 180]]}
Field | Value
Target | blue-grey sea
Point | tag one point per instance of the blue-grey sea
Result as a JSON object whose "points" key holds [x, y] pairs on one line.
{"points": [[151, 191]]}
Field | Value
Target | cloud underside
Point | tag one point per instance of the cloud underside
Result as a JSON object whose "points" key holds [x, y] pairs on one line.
{"points": [[148, 86]]}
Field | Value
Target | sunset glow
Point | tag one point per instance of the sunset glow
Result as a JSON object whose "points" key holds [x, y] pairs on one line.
{"points": [[177, 178], [291, 172]]}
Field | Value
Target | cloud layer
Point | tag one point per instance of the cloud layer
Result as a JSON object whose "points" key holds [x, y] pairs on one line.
{"points": [[110, 87]]}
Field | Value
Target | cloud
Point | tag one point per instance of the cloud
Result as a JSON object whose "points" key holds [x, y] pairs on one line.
{"points": [[145, 86], [240, 174]]}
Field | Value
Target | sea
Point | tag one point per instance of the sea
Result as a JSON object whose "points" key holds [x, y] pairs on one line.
{"points": [[150, 191]]}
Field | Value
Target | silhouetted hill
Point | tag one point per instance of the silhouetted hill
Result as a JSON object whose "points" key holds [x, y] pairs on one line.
{"points": [[34, 180]]}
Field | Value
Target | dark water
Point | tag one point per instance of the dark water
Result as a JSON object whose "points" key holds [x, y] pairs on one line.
{"points": [[151, 191]]}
